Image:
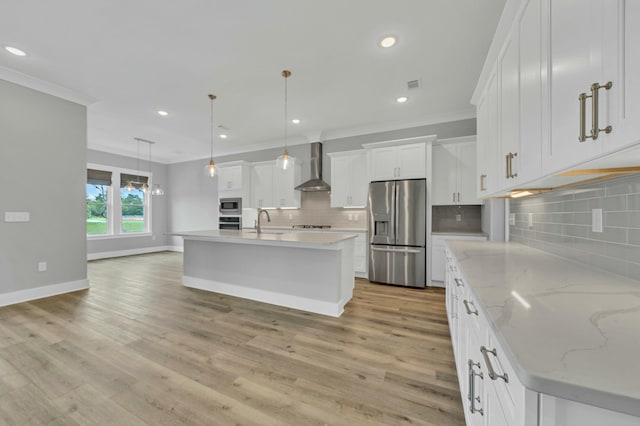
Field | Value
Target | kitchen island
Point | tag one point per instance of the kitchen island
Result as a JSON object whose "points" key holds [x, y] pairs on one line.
{"points": [[307, 271]]}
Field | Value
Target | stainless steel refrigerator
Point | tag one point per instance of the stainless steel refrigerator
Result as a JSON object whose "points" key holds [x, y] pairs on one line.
{"points": [[397, 232]]}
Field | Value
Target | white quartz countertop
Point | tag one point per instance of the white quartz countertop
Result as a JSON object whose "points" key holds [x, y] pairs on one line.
{"points": [[269, 237], [459, 234], [574, 333]]}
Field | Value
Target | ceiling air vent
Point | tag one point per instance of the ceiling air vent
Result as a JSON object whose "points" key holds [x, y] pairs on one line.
{"points": [[413, 84]]}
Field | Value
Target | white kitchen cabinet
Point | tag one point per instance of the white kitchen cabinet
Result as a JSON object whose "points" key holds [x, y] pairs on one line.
{"points": [[487, 139], [262, 184], [607, 50], [234, 179], [349, 184], [401, 159], [454, 174], [274, 187], [284, 182]]}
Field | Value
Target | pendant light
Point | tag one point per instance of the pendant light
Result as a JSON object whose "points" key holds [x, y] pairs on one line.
{"points": [[130, 185], [156, 186], [285, 161], [210, 169]]}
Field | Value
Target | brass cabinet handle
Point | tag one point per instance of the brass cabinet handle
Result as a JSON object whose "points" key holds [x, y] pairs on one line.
{"points": [[595, 110], [483, 183], [512, 156], [508, 172], [582, 98], [595, 106], [492, 374]]}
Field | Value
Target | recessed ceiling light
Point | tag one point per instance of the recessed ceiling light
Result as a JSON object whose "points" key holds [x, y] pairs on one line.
{"points": [[163, 113], [295, 121], [402, 99], [223, 136], [388, 41], [15, 51]]}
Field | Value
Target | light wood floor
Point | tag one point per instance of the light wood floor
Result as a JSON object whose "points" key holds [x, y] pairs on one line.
{"points": [[138, 348]]}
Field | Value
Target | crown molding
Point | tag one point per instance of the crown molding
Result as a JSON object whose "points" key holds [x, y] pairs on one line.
{"points": [[43, 86]]}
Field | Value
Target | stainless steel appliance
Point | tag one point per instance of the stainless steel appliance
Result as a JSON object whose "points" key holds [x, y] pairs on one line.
{"points": [[230, 222], [397, 232], [231, 206]]}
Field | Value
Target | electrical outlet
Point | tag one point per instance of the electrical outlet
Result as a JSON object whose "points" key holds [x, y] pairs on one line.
{"points": [[350, 217], [355, 217], [530, 220], [458, 218], [42, 266], [596, 220], [290, 216], [512, 219]]}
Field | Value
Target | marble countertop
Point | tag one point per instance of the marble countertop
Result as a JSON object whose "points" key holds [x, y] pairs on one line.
{"points": [[568, 331], [269, 237], [290, 228]]}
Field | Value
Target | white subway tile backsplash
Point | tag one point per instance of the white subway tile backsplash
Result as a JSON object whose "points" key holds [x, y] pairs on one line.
{"points": [[562, 224]]}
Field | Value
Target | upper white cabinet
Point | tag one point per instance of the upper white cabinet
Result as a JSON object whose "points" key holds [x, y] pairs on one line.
{"points": [[487, 140], [274, 187], [349, 184], [399, 159], [234, 179], [553, 62], [454, 173]]}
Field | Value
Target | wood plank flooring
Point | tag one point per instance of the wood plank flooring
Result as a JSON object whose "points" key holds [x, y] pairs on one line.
{"points": [[138, 348]]}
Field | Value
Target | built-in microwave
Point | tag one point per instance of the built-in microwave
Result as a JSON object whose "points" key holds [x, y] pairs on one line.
{"points": [[231, 206]]}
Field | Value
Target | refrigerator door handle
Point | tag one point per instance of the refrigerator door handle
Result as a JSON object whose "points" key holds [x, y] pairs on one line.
{"points": [[396, 210], [396, 250]]}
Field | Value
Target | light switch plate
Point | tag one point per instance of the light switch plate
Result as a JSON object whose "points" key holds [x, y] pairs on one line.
{"points": [[512, 219], [16, 216], [596, 220], [530, 220], [42, 266], [458, 218]]}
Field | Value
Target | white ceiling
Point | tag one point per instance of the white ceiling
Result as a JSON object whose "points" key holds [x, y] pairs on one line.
{"points": [[135, 57]]}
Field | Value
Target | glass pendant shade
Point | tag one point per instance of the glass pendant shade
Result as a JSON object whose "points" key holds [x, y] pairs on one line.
{"points": [[210, 169], [157, 190], [285, 161], [129, 187], [145, 187]]}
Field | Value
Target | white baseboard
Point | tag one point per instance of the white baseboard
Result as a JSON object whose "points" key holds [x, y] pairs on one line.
{"points": [[280, 299], [27, 295], [131, 252], [176, 248]]}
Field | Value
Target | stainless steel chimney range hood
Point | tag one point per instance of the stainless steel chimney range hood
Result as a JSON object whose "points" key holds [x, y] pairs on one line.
{"points": [[315, 183]]}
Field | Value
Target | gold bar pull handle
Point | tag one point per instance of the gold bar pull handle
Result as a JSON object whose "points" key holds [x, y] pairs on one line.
{"points": [[512, 156], [595, 107], [582, 98], [483, 182], [508, 172]]}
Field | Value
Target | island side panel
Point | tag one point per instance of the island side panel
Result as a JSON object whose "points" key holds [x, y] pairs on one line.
{"points": [[302, 278]]}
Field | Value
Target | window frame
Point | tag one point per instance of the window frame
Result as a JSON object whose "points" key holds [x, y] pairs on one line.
{"points": [[114, 204]]}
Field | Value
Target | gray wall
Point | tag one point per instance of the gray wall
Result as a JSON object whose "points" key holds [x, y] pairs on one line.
{"points": [[43, 161], [562, 224], [159, 207]]}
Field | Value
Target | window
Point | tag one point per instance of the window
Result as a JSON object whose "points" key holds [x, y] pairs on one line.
{"points": [[98, 188], [110, 215], [132, 201]]}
